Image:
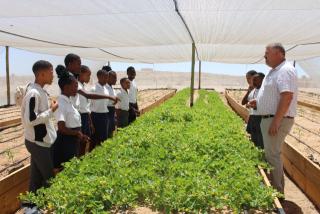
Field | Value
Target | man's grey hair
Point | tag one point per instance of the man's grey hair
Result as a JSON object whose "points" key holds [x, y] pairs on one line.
{"points": [[278, 46]]}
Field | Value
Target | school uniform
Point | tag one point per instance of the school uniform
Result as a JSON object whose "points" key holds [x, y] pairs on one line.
{"points": [[123, 106], [66, 146], [84, 110], [133, 105], [253, 125], [39, 133], [112, 110], [99, 115]]}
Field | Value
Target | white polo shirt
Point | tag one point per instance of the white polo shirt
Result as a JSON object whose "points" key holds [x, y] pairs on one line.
{"points": [[67, 112], [111, 93], [253, 95], [133, 92], [101, 105], [36, 116], [281, 79], [123, 104], [84, 103]]}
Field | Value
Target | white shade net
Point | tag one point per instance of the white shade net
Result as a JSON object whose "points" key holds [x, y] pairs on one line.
{"points": [[151, 31]]}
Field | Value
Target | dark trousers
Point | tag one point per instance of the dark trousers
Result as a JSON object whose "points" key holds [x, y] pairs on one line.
{"points": [[111, 120], [133, 108], [41, 166], [100, 123], [253, 128], [85, 129], [65, 148], [123, 119]]}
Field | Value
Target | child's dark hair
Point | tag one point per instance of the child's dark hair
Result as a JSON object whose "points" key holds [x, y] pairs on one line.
{"points": [[101, 72], [260, 74], [65, 78], [251, 73], [84, 69], [130, 70], [41, 65], [71, 58], [106, 68], [123, 80], [112, 73]]}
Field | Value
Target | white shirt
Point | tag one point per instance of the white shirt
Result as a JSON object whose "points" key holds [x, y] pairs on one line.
{"points": [[36, 116], [84, 103], [111, 93], [123, 104], [253, 95], [100, 105], [281, 79], [67, 113], [133, 92]]}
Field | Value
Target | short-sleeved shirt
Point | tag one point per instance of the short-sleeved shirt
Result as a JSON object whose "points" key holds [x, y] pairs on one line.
{"points": [[281, 79], [84, 104], [99, 105], [67, 113], [253, 95], [111, 93], [123, 104], [133, 92]]}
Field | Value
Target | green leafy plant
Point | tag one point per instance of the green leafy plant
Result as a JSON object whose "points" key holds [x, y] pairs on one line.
{"points": [[173, 159]]}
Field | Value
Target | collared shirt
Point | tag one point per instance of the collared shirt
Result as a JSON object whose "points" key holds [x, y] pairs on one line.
{"points": [[133, 92], [67, 113], [84, 103], [37, 116], [253, 95], [100, 105], [111, 93], [281, 79], [123, 104]]}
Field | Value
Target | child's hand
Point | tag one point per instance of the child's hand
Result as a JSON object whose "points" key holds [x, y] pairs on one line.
{"points": [[79, 135], [54, 105], [85, 138], [116, 100]]}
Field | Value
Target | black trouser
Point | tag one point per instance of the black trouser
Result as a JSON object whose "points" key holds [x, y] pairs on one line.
{"points": [[41, 165], [100, 123], [253, 128], [65, 148], [133, 108], [123, 119], [111, 120]]}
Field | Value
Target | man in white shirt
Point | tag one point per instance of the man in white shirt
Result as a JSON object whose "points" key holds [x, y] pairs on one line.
{"points": [[133, 95], [40, 134], [277, 103]]}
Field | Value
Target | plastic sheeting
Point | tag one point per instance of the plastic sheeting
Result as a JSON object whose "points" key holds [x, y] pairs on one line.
{"points": [[151, 31]]}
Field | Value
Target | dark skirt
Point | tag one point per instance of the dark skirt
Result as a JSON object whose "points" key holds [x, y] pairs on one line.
{"points": [[85, 129], [100, 123], [123, 119], [111, 120], [253, 128], [133, 108], [65, 148]]}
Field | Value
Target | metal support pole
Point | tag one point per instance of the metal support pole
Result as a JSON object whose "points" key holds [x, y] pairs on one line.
{"points": [[8, 75], [109, 63], [199, 86], [294, 63], [192, 74]]}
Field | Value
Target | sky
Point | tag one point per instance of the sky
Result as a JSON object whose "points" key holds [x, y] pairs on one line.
{"points": [[21, 63]]}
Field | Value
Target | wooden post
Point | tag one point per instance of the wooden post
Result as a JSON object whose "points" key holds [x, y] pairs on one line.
{"points": [[199, 86], [7, 75], [192, 74]]}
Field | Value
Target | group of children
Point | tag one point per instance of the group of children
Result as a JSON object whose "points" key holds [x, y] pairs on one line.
{"points": [[85, 118]]}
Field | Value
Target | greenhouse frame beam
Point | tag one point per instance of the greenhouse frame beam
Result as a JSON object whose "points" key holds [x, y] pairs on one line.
{"points": [[8, 75], [192, 74]]}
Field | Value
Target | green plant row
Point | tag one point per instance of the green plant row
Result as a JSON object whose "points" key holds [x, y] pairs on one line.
{"points": [[172, 159]]}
